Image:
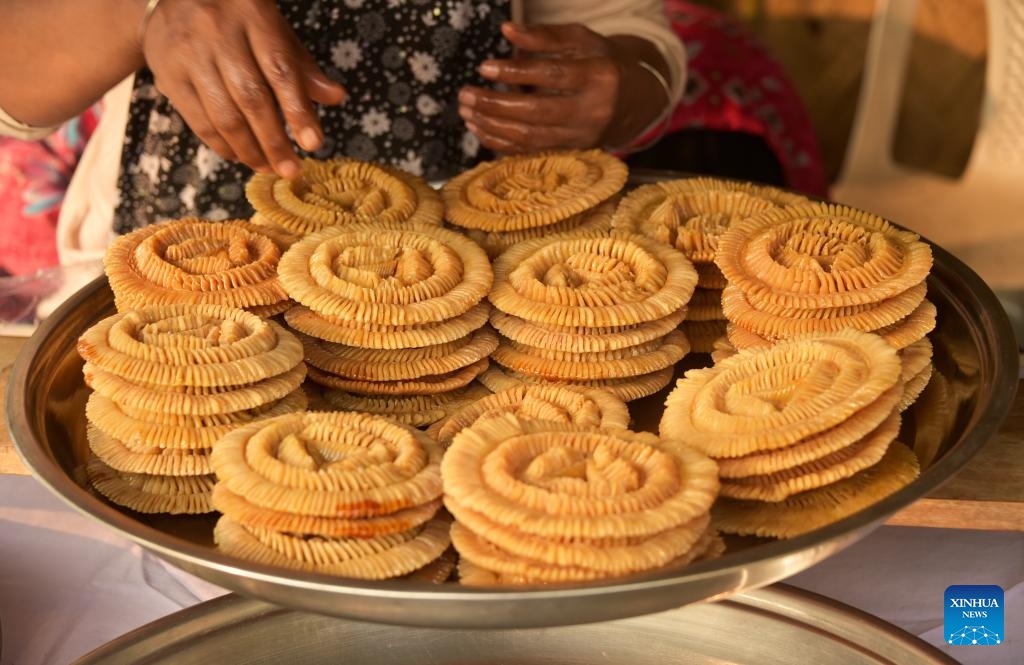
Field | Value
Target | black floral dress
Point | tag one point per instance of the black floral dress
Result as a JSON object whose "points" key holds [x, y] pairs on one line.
{"points": [[402, 63]]}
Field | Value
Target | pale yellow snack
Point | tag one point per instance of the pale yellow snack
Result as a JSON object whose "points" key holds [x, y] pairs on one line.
{"points": [[625, 363], [194, 261], [357, 363], [190, 345], [384, 276], [821, 255], [529, 191], [377, 558], [765, 400], [817, 508], [584, 339], [585, 408], [592, 282], [413, 410], [347, 465], [497, 378], [145, 493], [152, 461], [820, 472], [372, 336], [554, 480], [341, 191]]}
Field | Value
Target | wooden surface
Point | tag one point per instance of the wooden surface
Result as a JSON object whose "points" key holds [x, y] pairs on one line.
{"points": [[9, 460], [988, 494]]}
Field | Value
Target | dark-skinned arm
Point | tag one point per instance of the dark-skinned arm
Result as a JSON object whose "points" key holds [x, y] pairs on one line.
{"points": [[60, 56], [234, 69]]}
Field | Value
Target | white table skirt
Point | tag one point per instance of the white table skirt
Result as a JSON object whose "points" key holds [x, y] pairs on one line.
{"points": [[68, 585]]}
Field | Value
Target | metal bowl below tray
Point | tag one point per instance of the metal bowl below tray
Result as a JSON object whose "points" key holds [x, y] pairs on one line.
{"points": [[779, 625]]}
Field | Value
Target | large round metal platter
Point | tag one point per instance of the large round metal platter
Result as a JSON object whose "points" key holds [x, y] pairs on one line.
{"points": [[764, 627], [975, 354]]}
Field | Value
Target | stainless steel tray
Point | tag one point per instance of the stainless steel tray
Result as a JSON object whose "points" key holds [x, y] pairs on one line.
{"points": [[779, 625], [974, 350]]}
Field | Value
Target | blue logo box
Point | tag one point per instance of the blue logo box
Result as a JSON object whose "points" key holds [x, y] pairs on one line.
{"points": [[974, 615]]}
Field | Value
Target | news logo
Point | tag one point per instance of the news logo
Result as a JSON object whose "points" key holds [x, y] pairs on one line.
{"points": [[974, 615]]}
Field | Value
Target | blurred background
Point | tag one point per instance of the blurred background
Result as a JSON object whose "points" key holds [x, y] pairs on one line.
{"points": [[822, 45]]}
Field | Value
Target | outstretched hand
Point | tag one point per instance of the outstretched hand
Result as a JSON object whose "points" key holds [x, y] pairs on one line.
{"points": [[573, 87], [237, 74]]}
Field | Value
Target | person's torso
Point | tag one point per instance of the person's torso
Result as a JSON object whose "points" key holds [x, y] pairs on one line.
{"points": [[402, 63]]}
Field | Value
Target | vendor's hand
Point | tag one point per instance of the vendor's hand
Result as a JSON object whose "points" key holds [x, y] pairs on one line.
{"points": [[237, 73], [577, 83]]}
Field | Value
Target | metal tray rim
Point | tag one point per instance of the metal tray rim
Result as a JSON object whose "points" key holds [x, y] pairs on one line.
{"points": [[810, 547]]}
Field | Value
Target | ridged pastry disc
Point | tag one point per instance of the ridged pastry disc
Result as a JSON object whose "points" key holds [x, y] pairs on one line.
{"points": [[399, 364], [823, 471], [594, 282], [370, 336], [788, 323], [817, 508], [554, 480], [192, 402], [347, 465], [619, 364], [377, 558], [821, 255], [342, 191], [703, 335], [687, 214], [497, 378], [194, 261], [814, 447], [384, 276], [144, 493], [757, 401], [425, 385], [900, 335], [585, 408], [596, 222], [512, 553], [249, 515], [412, 410], [529, 191], [190, 345], [140, 430], [150, 461], [584, 339], [914, 386], [913, 328], [708, 546]]}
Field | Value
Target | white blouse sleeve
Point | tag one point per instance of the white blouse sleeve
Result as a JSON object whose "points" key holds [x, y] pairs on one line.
{"points": [[19, 130]]}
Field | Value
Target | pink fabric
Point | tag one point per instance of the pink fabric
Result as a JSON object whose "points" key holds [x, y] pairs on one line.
{"points": [[734, 84], [33, 178]]}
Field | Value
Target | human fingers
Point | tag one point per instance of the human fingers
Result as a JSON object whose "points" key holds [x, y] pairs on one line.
{"points": [[550, 73], [515, 105], [256, 108], [527, 137], [569, 40], [187, 103], [279, 59], [495, 143], [320, 88]]}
